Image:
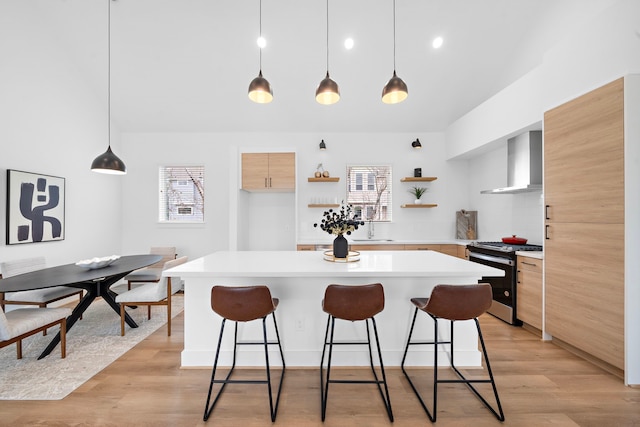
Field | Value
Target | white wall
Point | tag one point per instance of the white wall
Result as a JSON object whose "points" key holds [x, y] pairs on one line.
{"points": [[53, 124], [277, 221], [501, 215]]}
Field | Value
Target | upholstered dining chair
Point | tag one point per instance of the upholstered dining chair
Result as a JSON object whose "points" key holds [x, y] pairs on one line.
{"points": [[39, 297], [21, 323], [152, 294], [152, 273]]}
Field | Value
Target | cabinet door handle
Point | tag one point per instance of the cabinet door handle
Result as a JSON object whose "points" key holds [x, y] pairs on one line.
{"points": [[546, 212], [265, 183], [269, 182], [546, 232], [529, 263]]}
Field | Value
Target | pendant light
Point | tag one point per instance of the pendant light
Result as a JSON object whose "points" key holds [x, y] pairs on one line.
{"points": [[327, 92], [108, 162], [259, 88], [395, 90]]}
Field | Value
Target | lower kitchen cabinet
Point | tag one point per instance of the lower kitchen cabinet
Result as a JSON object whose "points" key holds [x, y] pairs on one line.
{"points": [[529, 291], [381, 247]]}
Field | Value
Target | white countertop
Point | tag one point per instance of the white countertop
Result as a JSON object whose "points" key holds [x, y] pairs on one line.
{"points": [[312, 264]]}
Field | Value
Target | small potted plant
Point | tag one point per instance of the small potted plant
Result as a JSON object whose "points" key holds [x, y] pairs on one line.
{"points": [[417, 193]]}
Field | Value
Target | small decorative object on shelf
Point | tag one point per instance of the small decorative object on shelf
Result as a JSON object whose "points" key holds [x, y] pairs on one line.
{"points": [[340, 222], [319, 171], [417, 193], [417, 173]]}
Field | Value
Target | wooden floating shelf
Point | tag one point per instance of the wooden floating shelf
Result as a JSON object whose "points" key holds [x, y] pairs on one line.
{"points": [[330, 179], [425, 205], [418, 179], [324, 205]]}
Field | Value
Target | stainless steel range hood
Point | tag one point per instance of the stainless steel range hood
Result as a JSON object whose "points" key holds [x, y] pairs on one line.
{"points": [[524, 164]]}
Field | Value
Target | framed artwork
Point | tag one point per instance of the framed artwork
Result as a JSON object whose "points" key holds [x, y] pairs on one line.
{"points": [[35, 207]]}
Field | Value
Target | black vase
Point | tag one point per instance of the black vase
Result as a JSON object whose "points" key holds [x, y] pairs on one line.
{"points": [[340, 247]]}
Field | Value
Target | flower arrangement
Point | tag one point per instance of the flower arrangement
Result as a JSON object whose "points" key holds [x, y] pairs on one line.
{"points": [[418, 191], [339, 222]]}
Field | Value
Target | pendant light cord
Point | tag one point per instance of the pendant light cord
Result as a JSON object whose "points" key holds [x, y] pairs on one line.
{"points": [[109, 75], [260, 36], [394, 36], [327, 37]]}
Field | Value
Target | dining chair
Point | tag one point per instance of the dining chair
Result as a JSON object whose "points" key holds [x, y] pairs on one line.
{"points": [[152, 294], [21, 323], [39, 297], [152, 273]]}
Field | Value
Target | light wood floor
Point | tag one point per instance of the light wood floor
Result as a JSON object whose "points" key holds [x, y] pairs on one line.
{"points": [[539, 384]]}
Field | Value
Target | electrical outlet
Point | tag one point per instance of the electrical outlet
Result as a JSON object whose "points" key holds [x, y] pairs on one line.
{"points": [[300, 325]]}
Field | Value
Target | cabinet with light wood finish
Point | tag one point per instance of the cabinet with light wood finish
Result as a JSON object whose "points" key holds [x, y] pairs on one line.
{"points": [[584, 214], [376, 247], [268, 172], [529, 291]]}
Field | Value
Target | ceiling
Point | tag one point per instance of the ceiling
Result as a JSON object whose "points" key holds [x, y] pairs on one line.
{"points": [[185, 65]]}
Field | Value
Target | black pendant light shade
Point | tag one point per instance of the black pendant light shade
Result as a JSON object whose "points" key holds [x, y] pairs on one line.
{"points": [[395, 90], [108, 162], [327, 92], [260, 90]]}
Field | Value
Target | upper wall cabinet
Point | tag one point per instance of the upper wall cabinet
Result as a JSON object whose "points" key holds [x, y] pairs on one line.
{"points": [[269, 172]]}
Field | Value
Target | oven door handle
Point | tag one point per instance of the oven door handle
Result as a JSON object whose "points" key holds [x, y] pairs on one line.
{"points": [[499, 260]]}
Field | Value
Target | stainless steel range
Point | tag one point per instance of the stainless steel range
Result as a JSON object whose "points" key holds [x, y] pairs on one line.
{"points": [[503, 256]]}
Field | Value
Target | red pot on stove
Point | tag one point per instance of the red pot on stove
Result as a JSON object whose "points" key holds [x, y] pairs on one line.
{"points": [[513, 240]]}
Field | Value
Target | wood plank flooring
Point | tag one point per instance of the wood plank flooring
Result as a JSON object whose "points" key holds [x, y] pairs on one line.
{"points": [[539, 383]]}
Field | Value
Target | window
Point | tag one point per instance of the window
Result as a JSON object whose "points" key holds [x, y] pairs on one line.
{"points": [[181, 194], [369, 191]]}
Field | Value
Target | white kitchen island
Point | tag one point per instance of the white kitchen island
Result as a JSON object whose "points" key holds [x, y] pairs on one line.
{"points": [[298, 279]]}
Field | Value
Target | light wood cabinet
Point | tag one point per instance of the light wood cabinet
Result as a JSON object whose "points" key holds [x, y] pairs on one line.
{"points": [[306, 247], [268, 172], [529, 291], [584, 201]]}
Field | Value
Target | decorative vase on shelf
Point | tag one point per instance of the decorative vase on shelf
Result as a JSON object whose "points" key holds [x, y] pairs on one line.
{"points": [[417, 202], [340, 246]]}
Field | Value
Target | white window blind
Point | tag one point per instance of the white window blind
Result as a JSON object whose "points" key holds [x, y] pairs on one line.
{"points": [[369, 191], [181, 196]]}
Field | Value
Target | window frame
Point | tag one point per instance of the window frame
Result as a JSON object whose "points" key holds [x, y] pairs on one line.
{"points": [[197, 189], [364, 200]]}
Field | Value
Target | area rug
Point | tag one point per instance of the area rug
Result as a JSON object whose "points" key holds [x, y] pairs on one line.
{"points": [[92, 344]]}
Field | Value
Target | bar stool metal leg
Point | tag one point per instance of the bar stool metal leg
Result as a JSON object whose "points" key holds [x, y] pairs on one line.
{"points": [[273, 408], [462, 379], [325, 381]]}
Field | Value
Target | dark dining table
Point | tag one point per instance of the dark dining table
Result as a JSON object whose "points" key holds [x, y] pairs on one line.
{"points": [[96, 282]]}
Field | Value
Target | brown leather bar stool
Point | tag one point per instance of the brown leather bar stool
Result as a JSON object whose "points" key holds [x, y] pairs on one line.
{"points": [[244, 304], [353, 303], [454, 302]]}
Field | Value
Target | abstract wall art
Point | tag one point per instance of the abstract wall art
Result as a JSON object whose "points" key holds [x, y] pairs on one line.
{"points": [[35, 207]]}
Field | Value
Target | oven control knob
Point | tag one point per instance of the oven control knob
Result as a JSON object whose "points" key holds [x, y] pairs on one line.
{"points": [[506, 293]]}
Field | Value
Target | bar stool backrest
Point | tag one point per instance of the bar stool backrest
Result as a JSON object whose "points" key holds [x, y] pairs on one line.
{"points": [[353, 302], [242, 303], [459, 302]]}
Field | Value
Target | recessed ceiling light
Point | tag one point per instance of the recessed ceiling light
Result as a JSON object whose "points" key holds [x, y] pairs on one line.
{"points": [[437, 42], [262, 42], [348, 43]]}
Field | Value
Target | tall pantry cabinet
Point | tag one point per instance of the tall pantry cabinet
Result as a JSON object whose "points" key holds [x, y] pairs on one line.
{"points": [[584, 223]]}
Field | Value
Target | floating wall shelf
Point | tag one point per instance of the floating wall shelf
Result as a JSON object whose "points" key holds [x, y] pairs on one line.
{"points": [[324, 205], [331, 179], [425, 205], [418, 179]]}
